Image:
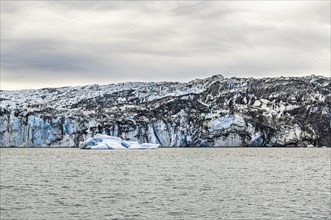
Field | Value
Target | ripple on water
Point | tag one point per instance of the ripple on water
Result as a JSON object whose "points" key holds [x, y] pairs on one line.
{"points": [[166, 184]]}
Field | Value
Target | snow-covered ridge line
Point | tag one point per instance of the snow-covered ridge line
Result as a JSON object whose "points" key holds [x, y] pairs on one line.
{"points": [[284, 111]]}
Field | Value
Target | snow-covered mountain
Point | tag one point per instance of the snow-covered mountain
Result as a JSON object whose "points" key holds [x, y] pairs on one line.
{"points": [[284, 111]]}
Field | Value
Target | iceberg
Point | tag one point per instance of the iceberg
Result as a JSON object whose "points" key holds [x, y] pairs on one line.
{"points": [[105, 142]]}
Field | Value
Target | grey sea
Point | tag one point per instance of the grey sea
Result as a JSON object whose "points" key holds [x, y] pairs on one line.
{"points": [[169, 183]]}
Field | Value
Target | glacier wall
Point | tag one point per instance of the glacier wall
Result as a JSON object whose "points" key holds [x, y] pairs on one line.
{"points": [[204, 112]]}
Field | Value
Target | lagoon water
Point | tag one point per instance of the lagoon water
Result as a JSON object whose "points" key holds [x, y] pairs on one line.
{"points": [[194, 183]]}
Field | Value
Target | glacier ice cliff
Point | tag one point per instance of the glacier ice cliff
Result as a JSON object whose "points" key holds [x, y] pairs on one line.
{"points": [[216, 111]]}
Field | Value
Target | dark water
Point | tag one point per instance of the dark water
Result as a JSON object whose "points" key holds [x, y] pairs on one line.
{"points": [[199, 183]]}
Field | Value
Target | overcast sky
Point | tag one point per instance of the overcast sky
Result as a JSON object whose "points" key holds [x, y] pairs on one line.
{"points": [[61, 43]]}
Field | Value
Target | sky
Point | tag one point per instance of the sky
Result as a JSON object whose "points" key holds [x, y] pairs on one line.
{"points": [[70, 43]]}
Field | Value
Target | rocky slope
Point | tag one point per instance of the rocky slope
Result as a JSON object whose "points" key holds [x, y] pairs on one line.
{"points": [[204, 112]]}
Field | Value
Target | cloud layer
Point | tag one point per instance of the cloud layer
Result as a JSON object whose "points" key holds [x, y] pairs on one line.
{"points": [[50, 43]]}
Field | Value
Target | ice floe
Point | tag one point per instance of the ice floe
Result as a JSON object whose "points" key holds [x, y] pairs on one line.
{"points": [[105, 142]]}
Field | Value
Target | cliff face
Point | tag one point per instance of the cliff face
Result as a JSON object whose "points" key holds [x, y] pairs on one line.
{"points": [[204, 112]]}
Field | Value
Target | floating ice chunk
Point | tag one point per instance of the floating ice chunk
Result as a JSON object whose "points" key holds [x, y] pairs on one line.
{"points": [[90, 142], [134, 145], [112, 144], [103, 142], [125, 144], [99, 147], [107, 137]]}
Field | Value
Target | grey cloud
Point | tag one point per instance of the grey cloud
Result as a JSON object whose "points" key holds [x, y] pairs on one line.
{"points": [[103, 42]]}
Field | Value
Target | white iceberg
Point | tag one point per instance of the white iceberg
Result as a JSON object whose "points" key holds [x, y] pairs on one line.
{"points": [[105, 142]]}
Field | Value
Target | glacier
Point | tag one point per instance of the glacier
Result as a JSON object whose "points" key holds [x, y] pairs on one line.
{"points": [[210, 112]]}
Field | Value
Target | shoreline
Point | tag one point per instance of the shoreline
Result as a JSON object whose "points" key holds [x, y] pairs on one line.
{"points": [[168, 147]]}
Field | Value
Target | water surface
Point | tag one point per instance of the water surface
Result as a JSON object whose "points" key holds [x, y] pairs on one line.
{"points": [[201, 183]]}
